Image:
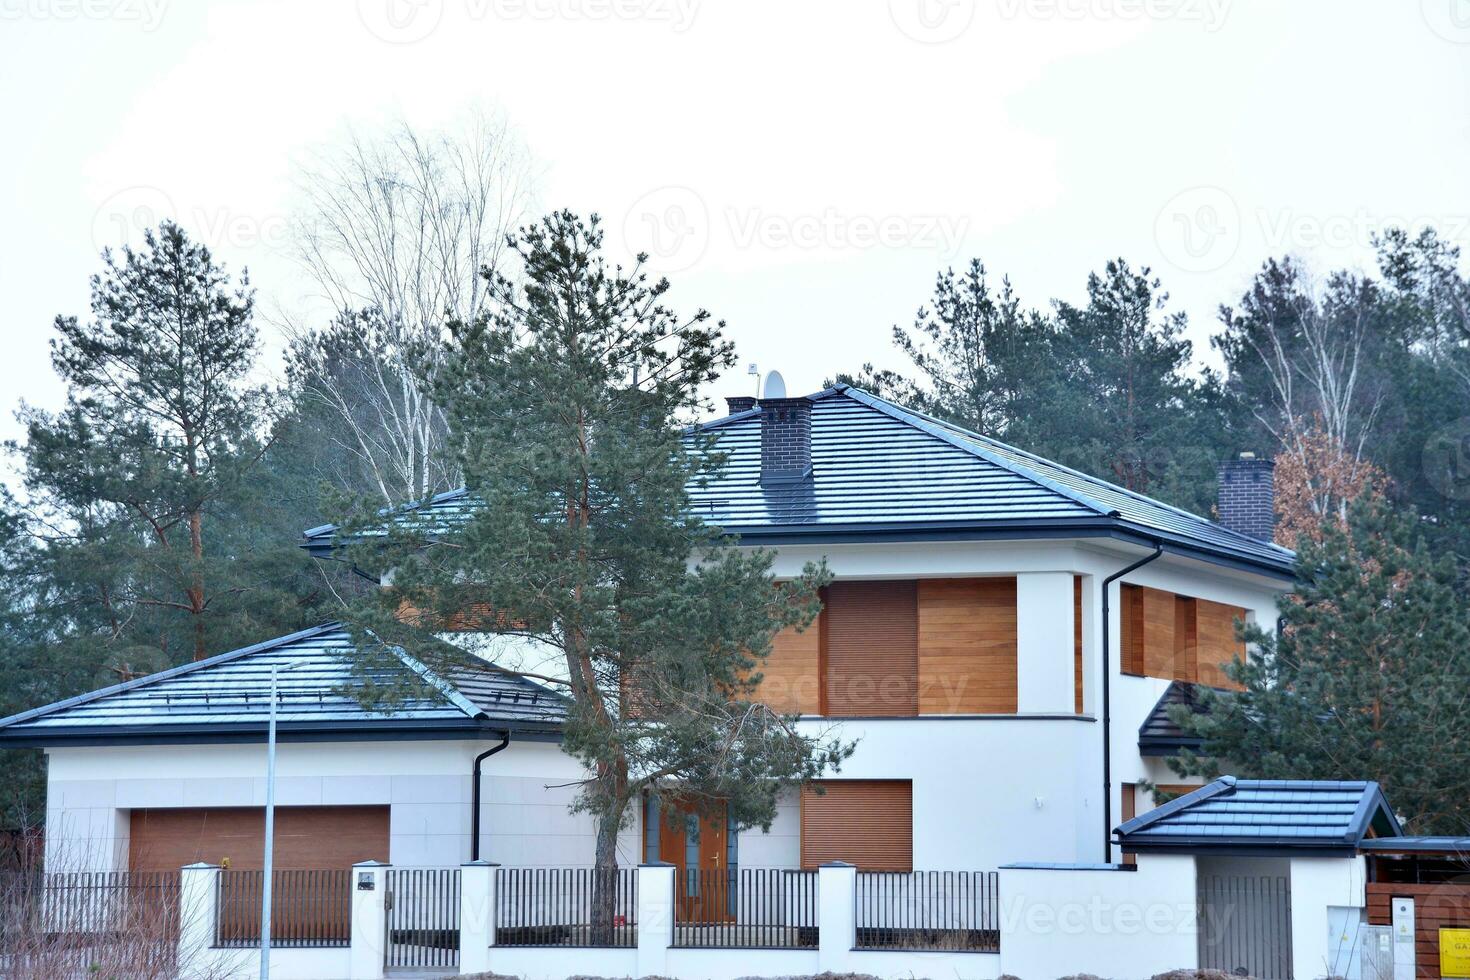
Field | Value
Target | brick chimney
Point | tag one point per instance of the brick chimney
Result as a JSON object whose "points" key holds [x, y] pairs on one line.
{"points": [[786, 434], [1247, 500], [740, 403]]}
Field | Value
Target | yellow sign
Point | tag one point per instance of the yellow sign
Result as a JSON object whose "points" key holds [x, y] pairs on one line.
{"points": [[1454, 952]]}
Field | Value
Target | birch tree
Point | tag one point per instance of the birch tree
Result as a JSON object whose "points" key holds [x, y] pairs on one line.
{"points": [[395, 232], [1312, 370]]}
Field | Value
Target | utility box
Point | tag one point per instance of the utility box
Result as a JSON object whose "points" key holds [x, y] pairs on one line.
{"points": [[1375, 952]]}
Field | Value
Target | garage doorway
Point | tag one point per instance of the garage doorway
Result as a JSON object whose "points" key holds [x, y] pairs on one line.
{"points": [[307, 837], [1245, 917]]}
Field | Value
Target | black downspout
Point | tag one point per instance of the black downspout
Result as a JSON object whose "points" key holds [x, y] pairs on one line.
{"points": [[1107, 701], [475, 795]]}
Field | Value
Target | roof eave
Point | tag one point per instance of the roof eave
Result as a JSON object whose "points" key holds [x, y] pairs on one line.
{"points": [[252, 732], [1239, 847]]}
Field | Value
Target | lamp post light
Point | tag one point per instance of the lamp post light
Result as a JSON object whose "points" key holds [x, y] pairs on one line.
{"points": [[270, 828]]}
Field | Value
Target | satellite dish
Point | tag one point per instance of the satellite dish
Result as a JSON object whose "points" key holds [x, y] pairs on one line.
{"points": [[775, 385]]}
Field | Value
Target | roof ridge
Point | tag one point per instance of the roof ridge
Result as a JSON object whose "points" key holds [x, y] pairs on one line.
{"points": [[1145, 498], [934, 427], [167, 674], [1219, 787], [432, 678]]}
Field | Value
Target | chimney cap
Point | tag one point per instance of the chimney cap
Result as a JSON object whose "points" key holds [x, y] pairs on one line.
{"points": [[1247, 454]]}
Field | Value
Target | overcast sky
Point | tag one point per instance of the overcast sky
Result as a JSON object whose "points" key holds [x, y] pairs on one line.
{"points": [[801, 169]]}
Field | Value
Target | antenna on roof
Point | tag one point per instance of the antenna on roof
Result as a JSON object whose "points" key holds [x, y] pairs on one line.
{"points": [[775, 385], [755, 373]]}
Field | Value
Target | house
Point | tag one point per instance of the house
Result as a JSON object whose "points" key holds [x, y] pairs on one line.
{"points": [[1002, 637]]}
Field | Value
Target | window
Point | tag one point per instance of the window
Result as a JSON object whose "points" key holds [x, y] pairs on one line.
{"points": [[899, 649], [1176, 637], [865, 822]]}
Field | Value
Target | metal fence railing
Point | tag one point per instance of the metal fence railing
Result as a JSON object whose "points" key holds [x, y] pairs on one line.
{"points": [[423, 917], [60, 924], [753, 908], [926, 910], [308, 908], [566, 907]]}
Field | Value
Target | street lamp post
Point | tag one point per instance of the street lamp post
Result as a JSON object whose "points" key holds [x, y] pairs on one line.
{"points": [[270, 836]]}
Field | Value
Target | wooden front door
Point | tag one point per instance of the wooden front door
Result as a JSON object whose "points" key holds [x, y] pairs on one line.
{"points": [[698, 847]]}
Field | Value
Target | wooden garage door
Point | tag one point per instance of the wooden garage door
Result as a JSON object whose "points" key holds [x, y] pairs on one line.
{"points": [[307, 837], [866, 822]]}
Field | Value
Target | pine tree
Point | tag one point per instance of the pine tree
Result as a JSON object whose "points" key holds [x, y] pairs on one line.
{"points": [[565, 408], [1366, 680], [159, 540]]}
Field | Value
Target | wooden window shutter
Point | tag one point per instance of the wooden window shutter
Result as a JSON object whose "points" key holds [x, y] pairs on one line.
{"points": [[1130, 628], [870, 632], [1186, 639], [1129, 801], [1216, 642], [866, 822], [1077, 643]]}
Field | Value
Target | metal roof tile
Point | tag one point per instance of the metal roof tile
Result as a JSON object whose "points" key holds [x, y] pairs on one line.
{"points": [[314, 684]]}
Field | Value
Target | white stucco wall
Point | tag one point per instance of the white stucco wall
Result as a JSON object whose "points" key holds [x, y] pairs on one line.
{"points": [[1317, 886], [987, 791], [1108, 922], [426, 784]]}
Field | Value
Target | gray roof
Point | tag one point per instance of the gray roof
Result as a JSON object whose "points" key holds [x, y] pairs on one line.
{"points": [[227, 697], [1159, 735], [1264, 816], [880, 469]]}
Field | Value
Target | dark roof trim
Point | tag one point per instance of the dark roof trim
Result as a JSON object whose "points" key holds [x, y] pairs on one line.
{"points": [[1267, 847], [1458, 846], [386, 730], [1028, 530]]}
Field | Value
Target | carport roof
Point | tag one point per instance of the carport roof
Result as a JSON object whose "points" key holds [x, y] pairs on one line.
{"points": [[227, 698], [1261, 816], [1417, 845]]}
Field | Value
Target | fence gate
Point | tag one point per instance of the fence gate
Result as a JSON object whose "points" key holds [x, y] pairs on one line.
{"points": [[423, 917], [1245, 925]]}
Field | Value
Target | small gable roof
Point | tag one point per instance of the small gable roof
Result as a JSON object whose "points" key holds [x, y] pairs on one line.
{"points": [[1265, 816], [881, 471], [227, 698]]}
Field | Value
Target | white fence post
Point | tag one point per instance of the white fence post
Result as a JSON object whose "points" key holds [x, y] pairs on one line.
{"points": [[369, 884], [476, 915], [198, 896], [655, 917], [836, 916]]}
